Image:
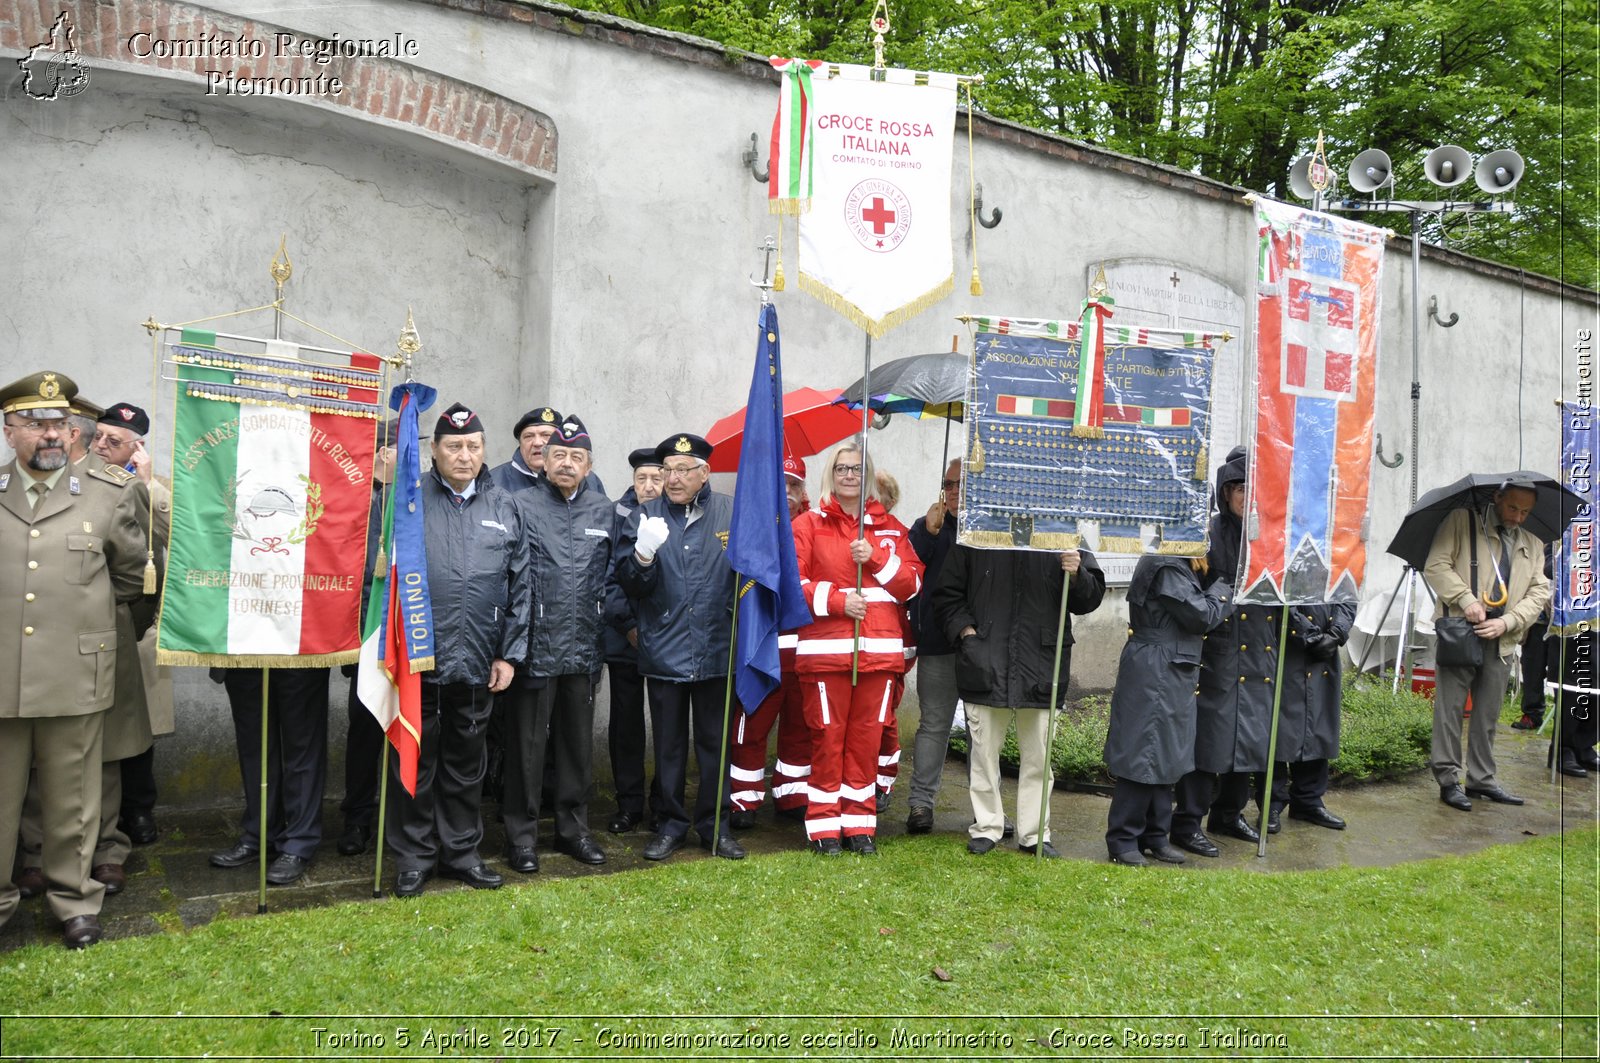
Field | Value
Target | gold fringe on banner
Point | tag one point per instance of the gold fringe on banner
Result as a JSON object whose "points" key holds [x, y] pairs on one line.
{"points": [[789, 206], [1121, 544], [1003, 541], [876, 328], [1088, 431], [1182, 549], [422, 664], [188, 658]]}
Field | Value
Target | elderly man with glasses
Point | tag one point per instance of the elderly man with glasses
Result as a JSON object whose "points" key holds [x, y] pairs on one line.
{"points": [[672, 564]]}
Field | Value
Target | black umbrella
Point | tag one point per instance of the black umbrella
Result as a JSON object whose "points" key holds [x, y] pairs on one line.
{"points": [[1554, 507], [923, 385]]}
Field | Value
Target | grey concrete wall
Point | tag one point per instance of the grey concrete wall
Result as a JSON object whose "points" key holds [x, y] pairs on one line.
{"points": [[618, 288]]}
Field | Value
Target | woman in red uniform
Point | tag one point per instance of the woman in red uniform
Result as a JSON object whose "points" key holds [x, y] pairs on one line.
{"points": [[847, 721]]}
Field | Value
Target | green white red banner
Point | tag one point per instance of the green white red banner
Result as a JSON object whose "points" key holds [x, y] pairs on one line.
{"points": [[271, 485]]}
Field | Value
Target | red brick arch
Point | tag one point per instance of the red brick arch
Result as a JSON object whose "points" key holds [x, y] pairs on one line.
{"points": [[384, 90]]}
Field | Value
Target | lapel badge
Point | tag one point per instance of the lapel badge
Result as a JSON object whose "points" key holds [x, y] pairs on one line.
{"points": [[5, 480], [73, 486], [88, 527]]}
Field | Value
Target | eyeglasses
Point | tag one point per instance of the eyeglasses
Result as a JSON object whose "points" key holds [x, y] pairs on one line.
{"points": [[951, 485], [39, 428], [681, 471], [847, 470]]}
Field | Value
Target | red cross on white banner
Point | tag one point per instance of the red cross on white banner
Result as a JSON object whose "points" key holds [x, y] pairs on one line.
{"points": [[1319, 337]]}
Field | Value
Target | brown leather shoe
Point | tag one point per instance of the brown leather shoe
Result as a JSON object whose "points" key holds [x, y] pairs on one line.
{"points": [[115, 879], [80, 931], [31, 882]]}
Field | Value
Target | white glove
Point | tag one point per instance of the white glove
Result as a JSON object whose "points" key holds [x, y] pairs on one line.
{"points": [[652, 533]]}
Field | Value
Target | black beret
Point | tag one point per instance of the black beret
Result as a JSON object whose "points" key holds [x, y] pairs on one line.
{"points": [[457, 421], [571, 433], [538, 415], [644, 456], [127, 415], [686, 444]]}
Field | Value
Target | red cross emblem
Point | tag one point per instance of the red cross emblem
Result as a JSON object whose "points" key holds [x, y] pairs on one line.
{"points": [[878, 214]]}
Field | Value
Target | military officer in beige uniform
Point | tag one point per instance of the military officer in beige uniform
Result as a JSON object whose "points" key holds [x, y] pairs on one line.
{"points": [[72, 546], [142, 705]]}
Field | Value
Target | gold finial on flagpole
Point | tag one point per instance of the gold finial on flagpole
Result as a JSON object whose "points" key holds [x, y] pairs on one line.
{"points": [[281, 269], [1099, 288], [408, 344], [880, 26]]}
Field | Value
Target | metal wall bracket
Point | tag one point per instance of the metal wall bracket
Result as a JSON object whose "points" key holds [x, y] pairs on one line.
{"points": [[1433, 312], [752, 155], [1399, 457], [977, 208]]}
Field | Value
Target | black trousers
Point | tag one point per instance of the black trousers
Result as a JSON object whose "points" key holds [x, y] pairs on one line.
{"points": [[625, 739], [1299, 785], [297, 754], [552, 725], [138, 784], [363, 759], [1199, 792], [442, 822], [673, 708], [1537, 665], [1140, 816]]}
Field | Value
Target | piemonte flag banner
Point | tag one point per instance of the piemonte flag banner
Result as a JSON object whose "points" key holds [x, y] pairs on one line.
{"points": [[1577, 599], [869, 151], [397, 644], [1316, 378], [1086, 432], [271, 487]]}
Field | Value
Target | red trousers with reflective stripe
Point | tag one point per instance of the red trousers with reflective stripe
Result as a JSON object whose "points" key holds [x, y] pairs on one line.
{"points": [[846, 735], [889, 748], [748, 758]]}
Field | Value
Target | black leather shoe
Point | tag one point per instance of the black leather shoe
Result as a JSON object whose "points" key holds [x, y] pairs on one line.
{"points": [[522, 858], [410, 883], [920, 821], [863, 845], [286, 869], [726, 847], [1495, 794], [583, 849], [623, 822], [1167, 855], [1033, 850], [662, 846], [1319, 815], [80, 931], [354, 839], [112, 876], [827, 847], [31, 882], [1009, 829], [979, 846], [478, 876], [141, 829], [1455, 797], [883, 801], [238, 856], [742, 820], [1529, 722], [1234, 828], [1131, 858], [1197, 843], [1588, 759], [1274, 820], [1570, 765]]}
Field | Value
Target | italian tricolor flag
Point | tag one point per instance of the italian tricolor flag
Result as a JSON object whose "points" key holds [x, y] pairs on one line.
{"points": [[271, 486]]}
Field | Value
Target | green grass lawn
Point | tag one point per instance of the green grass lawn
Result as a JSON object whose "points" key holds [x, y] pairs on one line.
{"points": [[1493, 953]]}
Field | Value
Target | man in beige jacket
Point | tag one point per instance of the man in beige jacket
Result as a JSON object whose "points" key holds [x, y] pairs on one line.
{"points": [[72, 547], [1512, 592]]}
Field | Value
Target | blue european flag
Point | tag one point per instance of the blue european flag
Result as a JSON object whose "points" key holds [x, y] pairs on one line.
{"points": [[760, 541]]}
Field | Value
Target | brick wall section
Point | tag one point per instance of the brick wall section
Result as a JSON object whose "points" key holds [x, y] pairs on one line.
{"points": [[380, 89]]}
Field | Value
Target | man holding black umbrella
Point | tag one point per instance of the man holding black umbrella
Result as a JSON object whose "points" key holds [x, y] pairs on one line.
{"points": [[1485, 566]]}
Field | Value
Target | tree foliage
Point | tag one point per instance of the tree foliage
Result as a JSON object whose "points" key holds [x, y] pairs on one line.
{"points": [[1237, 89]]}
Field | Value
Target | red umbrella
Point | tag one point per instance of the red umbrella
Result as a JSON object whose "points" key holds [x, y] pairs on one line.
{"points": [[812, 420]]}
